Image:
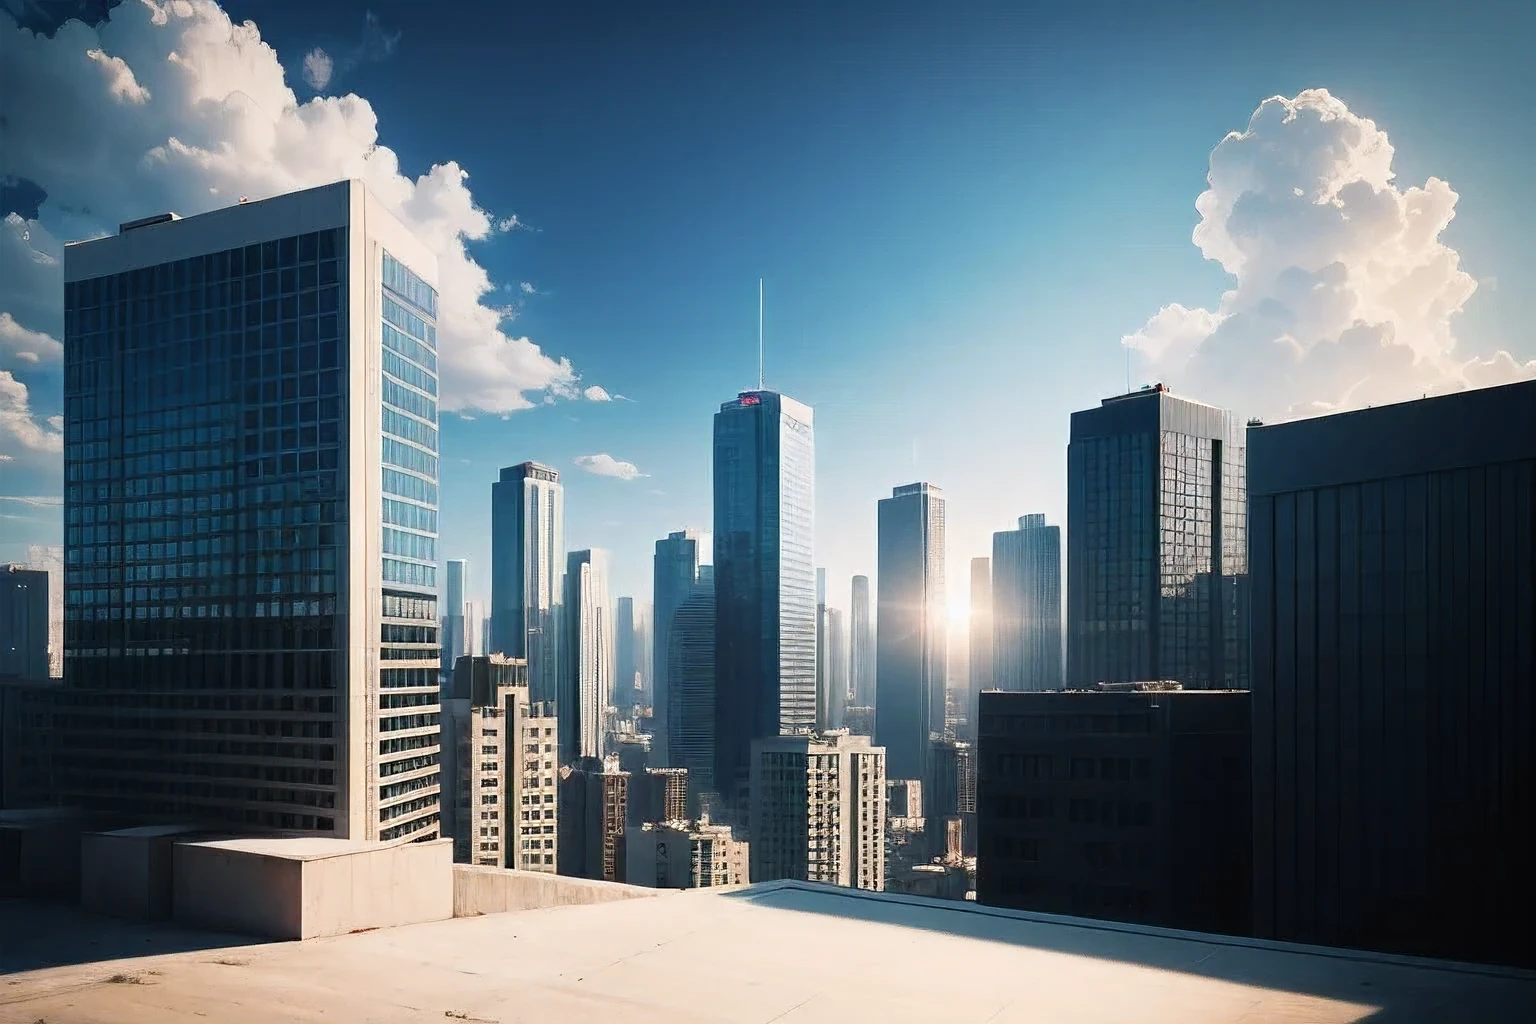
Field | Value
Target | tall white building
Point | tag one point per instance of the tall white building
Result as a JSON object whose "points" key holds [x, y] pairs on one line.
{"points": [[527, 570], [589, 652], [250, 519], [818, 810]]}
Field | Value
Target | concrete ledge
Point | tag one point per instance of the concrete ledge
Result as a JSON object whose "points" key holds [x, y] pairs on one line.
{"points": [[127, 873], [481, 890]]}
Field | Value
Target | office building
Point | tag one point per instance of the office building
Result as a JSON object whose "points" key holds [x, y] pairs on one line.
{"points": [[675, 572], [624, 655], [485, 643], [765, 583], [979, 674], [658, 794], [527, 569], [911, 628], [831, 661], [1026, 606], [49, 558], [643, 653], [1157, 531], [690, 711], [23, 623], [1393, 553], [860, 721], [951, 796], [861, 645], [588, 657], [499, 766], [250, 460], [594, 797], [456, 629], [818, 810], [1129, 803], [685, 855]]}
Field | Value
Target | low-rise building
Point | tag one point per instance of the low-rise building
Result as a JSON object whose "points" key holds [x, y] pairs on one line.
{"points": [[685, 855]]}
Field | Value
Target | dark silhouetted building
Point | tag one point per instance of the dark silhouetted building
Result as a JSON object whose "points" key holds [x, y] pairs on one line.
{"points": [[1129, 804], [1394, 677], [658, 794], [24, 623], [910, 628], [675, 578], [1156, 543], [950, 793], [594, 797]]}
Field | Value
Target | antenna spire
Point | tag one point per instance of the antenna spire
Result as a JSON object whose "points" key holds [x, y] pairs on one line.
{"points": [[759, 334]]}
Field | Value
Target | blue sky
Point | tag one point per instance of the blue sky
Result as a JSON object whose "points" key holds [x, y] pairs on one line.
{"points": [[959, 210]]}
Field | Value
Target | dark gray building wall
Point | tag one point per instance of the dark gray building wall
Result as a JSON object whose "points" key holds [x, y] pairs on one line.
{"points": [[1394, 620]]}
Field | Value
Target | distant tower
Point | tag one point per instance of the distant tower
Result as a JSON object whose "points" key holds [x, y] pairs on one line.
{"points": [[911, 628], [675, 570], [862, 643], [527, 562], [456, 630], [624, 655], [1026, 606], [690, 710], [588, 656], [831, 649], [980, 670]]}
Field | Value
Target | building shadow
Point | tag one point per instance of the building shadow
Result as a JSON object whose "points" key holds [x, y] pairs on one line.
{"points": [[1401, 990], [35, 935]]}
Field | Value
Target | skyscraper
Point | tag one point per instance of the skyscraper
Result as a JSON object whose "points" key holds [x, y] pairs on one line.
{"points": [[588, 655], [455, 638], [1026, 606], [527, 562], [831, 661], [251, 493], [690, 710], [1394, 718], [862, 644], [911, 628], [624, 654], [1157, 528], [980, 674], [644, 668], [675, 569], [765, 582], [23, 623]]}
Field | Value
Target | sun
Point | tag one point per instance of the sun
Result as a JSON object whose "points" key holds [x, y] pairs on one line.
{"points": [[959, 614]]}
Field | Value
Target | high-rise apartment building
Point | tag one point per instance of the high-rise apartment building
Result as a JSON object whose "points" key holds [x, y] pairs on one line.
{"points": [[765, 581], [685, 855], [911, 631], [690, 711], [818, 810], [1026, 606], [675, 571], [980, 674], [23, 623], [456, 629], [588, 657], [527, 569], [831, 661], [499, 767], [1393, 553], [594, 796], [1157, 533], [1129, 803], [624, 654], [250, 519], [861, 644]]}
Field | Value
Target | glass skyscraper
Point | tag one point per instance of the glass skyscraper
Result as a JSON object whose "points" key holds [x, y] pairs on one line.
{"points": [[1157, 532], [527, 570], [588, 660], [675, 570], [1026, 606], [250, 508], [455, 638], [911, 629], [690, 710], [765, 581], [861, 664]]}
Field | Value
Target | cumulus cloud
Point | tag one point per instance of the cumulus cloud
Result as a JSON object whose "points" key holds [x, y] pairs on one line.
{"points": [[25, 436], [24, 346], [527, 288], [318, 67], [596, 393], [1344, 294], [606, 465], [209, 117]]}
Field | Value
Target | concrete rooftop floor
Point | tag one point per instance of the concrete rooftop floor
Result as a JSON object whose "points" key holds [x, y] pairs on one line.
{"points": [[784, 953]]}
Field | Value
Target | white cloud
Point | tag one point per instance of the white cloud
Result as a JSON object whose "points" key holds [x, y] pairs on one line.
{"points": [[34, 501], [16, 342], [606, 465], [218, 120], [527, 288], [317, 69], [121, 82], [22, 435], [1344, 294], [511, 223], [596, 393]]}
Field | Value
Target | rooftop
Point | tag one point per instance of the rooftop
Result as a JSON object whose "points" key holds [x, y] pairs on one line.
{"points": [[789, 953]]}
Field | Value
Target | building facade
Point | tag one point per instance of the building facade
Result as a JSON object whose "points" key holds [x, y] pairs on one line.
{"points": [[831, 660], [250, 496], [23, 623], [1394, 571], [624, 655], [499, 765], [765, 582], [979, 673], [1129, 803], [658, 794], [588, 657], [951, 796], [861, 644], [675, 572], [818, 810], [690, 710], [1157, 532], [911, 628], [594, 798], [527, 573], [685, 855], [455, 614], [1026, 606]]}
